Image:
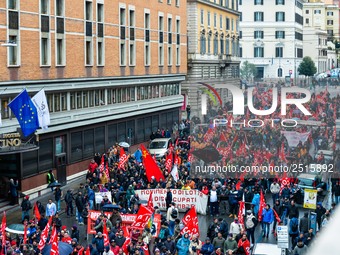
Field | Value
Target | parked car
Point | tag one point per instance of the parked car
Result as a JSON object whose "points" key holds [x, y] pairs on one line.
{"points": [[159, 147]]}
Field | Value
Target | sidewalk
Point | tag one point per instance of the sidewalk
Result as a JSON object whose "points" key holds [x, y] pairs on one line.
{"points": [[13, 213]]}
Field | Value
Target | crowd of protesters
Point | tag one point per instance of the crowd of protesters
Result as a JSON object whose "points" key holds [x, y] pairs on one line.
{"points": [[263, 146]]}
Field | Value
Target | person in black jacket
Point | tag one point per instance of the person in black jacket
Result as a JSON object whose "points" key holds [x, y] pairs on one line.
{"points": [[293, 211], [303, 226], [168, 198], [279, 210], [80, 203], [170, 245], [320, 211]]}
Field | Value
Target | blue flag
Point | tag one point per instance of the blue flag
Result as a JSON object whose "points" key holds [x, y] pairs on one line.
{"points": [[25, 112]]}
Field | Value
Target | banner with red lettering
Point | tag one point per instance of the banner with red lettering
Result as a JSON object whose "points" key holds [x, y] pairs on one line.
{"points": [[190, 222], [184, 199], [127, 219]]}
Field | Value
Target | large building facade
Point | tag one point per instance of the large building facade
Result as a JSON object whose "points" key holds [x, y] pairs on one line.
{"points": [[272, 37], [112, 72], [213, 50]]}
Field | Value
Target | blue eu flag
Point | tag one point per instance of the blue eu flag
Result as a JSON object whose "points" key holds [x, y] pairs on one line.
{"points": [[26, 113]]}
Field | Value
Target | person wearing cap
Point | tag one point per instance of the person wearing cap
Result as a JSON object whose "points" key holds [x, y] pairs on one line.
{"points": [[207, 247], [26, 206], [320, 211], [235, 227], [230, 244], [75, 232], [98, 240], [74, 242], [114, 247], [300, 248]]}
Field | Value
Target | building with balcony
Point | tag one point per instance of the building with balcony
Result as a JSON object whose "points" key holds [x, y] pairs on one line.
{"points": [[272, 37], [213, 50], [112, 72]]}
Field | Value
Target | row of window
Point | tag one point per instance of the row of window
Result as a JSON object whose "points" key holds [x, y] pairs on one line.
{"points": [[279, 16], [260, 2], [259, 34], [169, 2], [230, 4], [65, 101], [317, 11], [259, 52], [229, 24], [219, 46]]}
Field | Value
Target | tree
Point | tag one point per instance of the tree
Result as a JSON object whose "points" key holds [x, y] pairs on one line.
{"points": [[307, 67], [248, 71]]}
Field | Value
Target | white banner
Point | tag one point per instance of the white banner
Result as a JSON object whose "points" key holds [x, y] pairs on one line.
{"points": [[310, 198], [293, 137], [184, 199], [99, 196]]}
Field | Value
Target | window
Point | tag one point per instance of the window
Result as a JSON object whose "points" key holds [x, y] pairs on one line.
{"points": [[299, 53], [329, 22], [280, 16], [280, 2], [279, 72], [147, 55], [202, 44], [258, 52], [279, 34], [178, 41], [307, 11], [44, 7], [177, 3], [76, 146], [258, 2], [161, 40], [59, 9], [209, 44], [227, 46], [100, 13], [221, 21], [169, 55], [215, 45], [132, 47], [161, 55], [227, 3], [329, 13], [307, 21], [221, 46], [279, 52], [13, 51], [169, 1], [298, 36], [215, 19], [147, 26], [258, 34], [202, 17], [208, 19], [240, 52], [178, 56], [317, 11], [88, 53], [227, 23], [60, 52], [100, 54], [12, 4], [122, 47], [147, 45], [45, 52], [88, 10], [258, 16]]}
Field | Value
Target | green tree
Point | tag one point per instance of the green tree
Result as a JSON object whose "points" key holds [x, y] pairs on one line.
{"points": [[307, 67], [248, 71]]}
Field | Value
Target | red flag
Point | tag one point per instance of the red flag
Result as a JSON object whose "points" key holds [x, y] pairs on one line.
{"points": [[44, 234], [25, 232], [262, 205], [126, 245], [223, 138], [126, 232], [88, 252], [241, 212], [105, 234], [145, 249], [168, 161], [81, 251], [151, 167], [190, 222], [3, 231], [209, 135], [54, 239], [150, 201], [143, 216], [189, 157], [36, 212], [123, 158], [238, 185], [277, 217]]}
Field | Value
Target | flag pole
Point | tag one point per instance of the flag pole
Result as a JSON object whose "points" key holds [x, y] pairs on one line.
{"points": [[3, 91]]}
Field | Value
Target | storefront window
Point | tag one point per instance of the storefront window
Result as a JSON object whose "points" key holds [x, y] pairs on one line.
{"points": [[100, 139], [60, 145], [76, 146], [88, 143], [140, 130], [30, 163], [45, 152], [112, 134], [121, 132], [4, 108]]}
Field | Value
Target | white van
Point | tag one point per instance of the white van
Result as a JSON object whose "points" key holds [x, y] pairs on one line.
{"points": [[159, 147]]}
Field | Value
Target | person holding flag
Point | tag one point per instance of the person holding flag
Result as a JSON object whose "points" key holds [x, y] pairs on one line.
{"points": [[243, 245]]}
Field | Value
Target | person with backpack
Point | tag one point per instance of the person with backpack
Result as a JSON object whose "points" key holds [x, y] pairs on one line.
{"points": [[250, 225], [164, 232], [293, 229], [171, 216]]}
